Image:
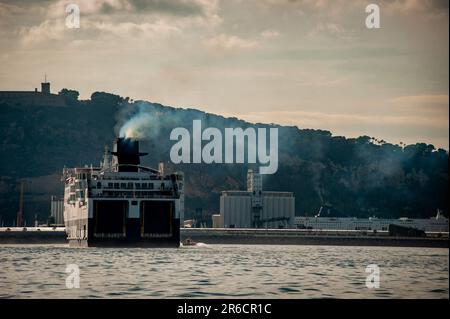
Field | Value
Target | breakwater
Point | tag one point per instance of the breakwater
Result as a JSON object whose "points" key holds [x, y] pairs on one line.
{"points": [[310, 237]]}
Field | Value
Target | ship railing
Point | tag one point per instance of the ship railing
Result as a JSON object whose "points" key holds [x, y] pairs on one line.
{"points": [[133, 178], [156, 235], [130, 195], [110, 235]]}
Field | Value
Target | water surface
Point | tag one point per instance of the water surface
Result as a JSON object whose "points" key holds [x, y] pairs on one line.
{"points": [[223, 271]]}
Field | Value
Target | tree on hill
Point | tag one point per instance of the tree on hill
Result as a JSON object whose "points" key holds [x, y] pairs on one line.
{"points": [[71, 96], [106, 99]]}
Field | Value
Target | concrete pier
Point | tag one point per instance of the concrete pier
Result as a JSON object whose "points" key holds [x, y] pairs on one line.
{"points": [[32, 235], [309, 237]]}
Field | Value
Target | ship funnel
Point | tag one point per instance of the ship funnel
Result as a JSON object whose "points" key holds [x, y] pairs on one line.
{"points": [[128, 156]]}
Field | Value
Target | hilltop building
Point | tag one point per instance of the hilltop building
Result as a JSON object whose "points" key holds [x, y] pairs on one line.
{"points": [[34, 98]]}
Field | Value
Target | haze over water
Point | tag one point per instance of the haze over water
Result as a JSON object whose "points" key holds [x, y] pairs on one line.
{"points": [[224, 271]]}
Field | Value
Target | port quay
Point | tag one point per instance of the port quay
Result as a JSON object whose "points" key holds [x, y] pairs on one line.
{"points": [[50, 235]]}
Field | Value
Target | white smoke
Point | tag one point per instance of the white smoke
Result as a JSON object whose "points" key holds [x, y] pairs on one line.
{"points": [[136, 121], [136, 127]]}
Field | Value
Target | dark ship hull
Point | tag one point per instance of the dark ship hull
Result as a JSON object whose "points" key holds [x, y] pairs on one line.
{"points": [[133, 238]]}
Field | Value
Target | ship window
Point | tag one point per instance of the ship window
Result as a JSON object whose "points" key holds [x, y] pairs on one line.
{"points": [[151, 186], [130, 185], [116, 185], [138, 186], [123, 185], [144, 185], [99, 185], [110, 185]]}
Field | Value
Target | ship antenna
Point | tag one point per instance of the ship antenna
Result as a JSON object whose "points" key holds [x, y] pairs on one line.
{"points": [[106, 160]]}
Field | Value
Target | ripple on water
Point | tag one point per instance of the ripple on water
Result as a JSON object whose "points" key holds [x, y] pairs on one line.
{"points": [[288, 289], [439, 291], [311, 289], [205, 282]]}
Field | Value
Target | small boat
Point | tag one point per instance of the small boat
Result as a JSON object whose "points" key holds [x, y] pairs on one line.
{"points": [[189, 242]]}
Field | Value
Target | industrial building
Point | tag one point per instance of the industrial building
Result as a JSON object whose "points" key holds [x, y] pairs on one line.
{"points": [[434, 224], [256, 208]]}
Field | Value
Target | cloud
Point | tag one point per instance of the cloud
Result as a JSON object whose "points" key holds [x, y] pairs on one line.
{"points": [[179, 8], [393, 128], [324, 120], [224, 42], [331, 30], [47, 30], [103, 19], [269, 34], [415, 6], [157, 29], [176, 7], [428, 104], [335, 9], [10, 9], [313, 53]]}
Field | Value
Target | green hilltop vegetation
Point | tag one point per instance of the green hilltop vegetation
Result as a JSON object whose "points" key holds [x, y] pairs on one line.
{"points": [[359, 177]]}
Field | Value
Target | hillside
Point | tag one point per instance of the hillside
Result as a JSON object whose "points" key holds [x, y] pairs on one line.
{"points": [[359, 177]]}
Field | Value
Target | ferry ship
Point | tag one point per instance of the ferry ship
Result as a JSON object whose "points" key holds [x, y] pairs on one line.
{"points": [[122, 203]]}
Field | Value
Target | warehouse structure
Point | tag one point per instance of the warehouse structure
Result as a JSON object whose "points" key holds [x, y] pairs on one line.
{"points": [[256, 208]]}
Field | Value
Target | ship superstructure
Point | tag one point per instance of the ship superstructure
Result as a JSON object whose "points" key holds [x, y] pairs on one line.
{"points": [[122, 203]]}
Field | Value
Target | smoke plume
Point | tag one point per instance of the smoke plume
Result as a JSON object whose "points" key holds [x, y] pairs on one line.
{"points": [[136, 121]]}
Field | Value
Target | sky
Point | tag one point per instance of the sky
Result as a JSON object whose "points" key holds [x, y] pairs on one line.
{"points": [[313, 64]]}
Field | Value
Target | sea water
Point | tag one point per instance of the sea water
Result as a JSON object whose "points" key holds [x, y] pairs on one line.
{"points": [[223, 271]]}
